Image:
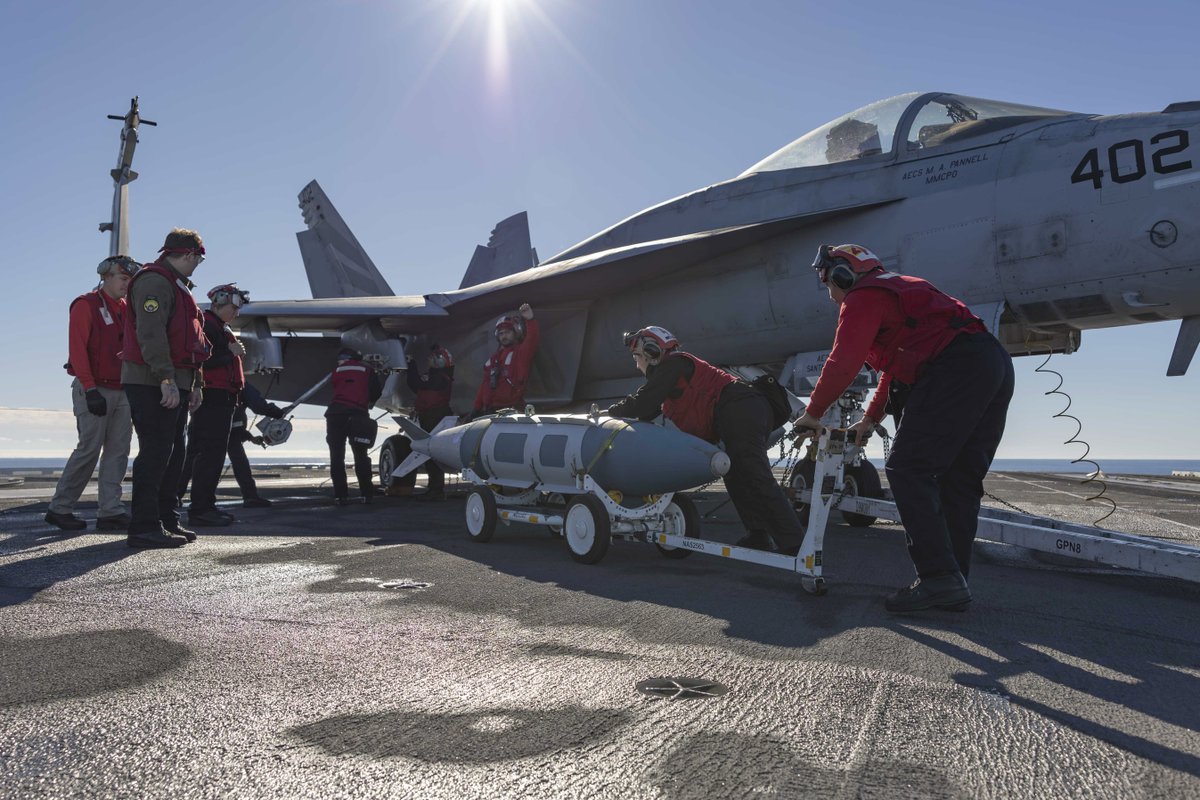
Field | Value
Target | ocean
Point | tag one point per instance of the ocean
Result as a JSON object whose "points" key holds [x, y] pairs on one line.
{"points": [[1116, 466]]}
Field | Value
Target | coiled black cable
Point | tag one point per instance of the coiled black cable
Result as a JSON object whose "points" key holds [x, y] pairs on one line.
{"points": [[1092, 477]]}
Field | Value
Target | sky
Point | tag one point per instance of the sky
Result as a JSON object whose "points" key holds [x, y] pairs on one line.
{"points": [[428, 121]]}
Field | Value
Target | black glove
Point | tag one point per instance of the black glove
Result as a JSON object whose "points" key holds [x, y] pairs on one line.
{"points": [[96, 402], [274, 411], [258, 440]]}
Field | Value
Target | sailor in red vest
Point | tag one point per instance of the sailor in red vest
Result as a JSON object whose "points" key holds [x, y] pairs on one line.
{"points": [[163, 349], [239, 433], [356, 387], [713, 405], [947, 381], [102, 419], [432, 404], [505, 373], [208, 431]]}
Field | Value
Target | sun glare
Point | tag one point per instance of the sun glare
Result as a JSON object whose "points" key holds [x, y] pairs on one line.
{"points": [[505, 28], [498, 71]]}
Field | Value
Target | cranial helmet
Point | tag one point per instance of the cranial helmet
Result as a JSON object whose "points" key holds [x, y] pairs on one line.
{"points": [[228, 293], [440, 358], [652, 340], [511, 322], [347, 353], [123, 263], [843, 264]]}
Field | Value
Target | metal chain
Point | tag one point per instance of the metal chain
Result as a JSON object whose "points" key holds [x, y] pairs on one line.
{"points": [[1010, 505]]}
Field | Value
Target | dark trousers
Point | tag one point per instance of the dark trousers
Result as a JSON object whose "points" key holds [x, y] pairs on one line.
{"points": [[207, 441], [429, 420], [337, 432], [241, 465], [159, 460], [743, 422], [949, 429], [237, 460]]}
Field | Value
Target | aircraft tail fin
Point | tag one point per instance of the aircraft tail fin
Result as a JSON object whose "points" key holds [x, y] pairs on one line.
{"points": [[508, 251], [337, 265]]}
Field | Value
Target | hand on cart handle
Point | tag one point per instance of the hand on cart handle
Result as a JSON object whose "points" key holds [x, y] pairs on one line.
{"points": [[806, 426], [861, 431]]}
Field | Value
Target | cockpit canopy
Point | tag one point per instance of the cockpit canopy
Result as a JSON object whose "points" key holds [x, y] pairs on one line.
{"points": [[872, 130]]}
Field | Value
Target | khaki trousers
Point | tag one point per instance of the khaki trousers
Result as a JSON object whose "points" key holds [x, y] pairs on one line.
{"points": [[100, 438]]}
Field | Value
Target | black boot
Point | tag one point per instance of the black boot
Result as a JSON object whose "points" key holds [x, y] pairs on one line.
{"points": [[947, 592], [66, 522]]}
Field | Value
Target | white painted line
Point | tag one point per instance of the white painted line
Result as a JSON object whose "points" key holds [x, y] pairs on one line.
{"points": [[1177, 180], [1084, 498]]}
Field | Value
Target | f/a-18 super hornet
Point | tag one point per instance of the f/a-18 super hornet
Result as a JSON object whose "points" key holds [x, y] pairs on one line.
{"points": [[1046, 222]]}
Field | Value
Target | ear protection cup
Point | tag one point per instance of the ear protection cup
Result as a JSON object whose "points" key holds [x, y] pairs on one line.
{"points": [[841, 276], [651, 348]]}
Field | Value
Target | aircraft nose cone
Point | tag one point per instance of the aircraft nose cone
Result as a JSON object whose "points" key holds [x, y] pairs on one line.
{"points": [[719, 464]]}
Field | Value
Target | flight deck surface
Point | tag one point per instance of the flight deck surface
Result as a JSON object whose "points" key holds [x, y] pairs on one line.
{"points": [[375, 651]]}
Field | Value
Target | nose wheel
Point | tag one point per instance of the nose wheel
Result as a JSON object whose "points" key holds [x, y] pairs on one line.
{"points": [[682, 519]]}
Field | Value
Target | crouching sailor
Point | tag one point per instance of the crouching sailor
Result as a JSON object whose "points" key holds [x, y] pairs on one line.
{"points": [[713, 405]]}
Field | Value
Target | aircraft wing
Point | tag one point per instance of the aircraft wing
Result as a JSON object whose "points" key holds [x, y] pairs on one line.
{"points": [[586, 276], [611, 270], [409, 314]]}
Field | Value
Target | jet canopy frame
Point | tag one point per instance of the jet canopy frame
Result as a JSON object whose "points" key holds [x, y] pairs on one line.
{"points": [[919, 121]]}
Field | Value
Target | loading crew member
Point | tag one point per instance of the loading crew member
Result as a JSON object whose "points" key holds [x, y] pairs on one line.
{"points": [[713, 405], [432, 405], [164, 346], [239, 434], [95, 331], [208, 431], [505, 373], [948, 382], [356, 387]]}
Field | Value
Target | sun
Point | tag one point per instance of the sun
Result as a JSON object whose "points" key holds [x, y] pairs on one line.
{"points": [[498, 23]]}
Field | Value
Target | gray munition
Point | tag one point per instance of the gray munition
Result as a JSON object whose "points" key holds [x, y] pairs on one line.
{"points": [[554, 452]]}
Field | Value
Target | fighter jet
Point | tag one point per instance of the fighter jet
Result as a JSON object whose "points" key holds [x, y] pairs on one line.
{"points": [[1047, 222]]}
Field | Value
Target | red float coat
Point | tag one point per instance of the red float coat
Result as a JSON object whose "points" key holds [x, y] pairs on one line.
{"points": [[228, 376], [694, 410], [432, 390], [896, 331], [185, 330], [505, 373], [95, 333], [352, 385]]}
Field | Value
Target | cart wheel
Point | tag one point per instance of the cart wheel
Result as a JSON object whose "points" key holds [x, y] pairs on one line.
{"points": [[802, 478], [481, 514], [682, 519], [814, 586], [586, 529], [862, 481]]}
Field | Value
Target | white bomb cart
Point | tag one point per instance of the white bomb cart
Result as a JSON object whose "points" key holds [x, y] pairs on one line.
{"points": [[589, 479], [570, 498]]}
